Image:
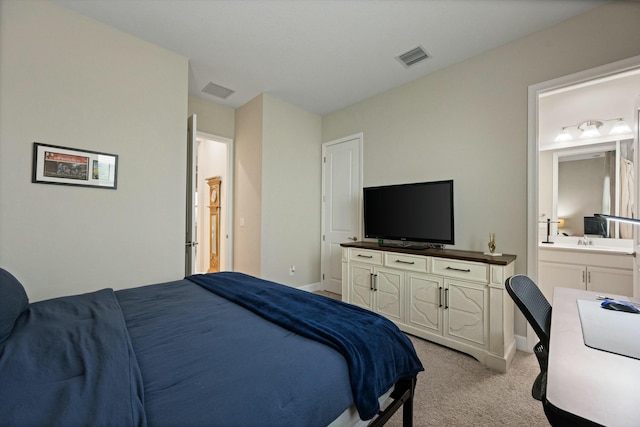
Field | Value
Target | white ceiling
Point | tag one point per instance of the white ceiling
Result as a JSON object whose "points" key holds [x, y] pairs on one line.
{"points": [[322, 55], [599, 99]]}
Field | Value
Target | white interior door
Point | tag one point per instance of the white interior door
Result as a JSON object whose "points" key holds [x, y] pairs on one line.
{"points": [[341, 205], [191, 242]]}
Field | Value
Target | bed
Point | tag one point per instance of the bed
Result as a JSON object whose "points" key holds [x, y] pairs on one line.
{"points": [[219, 349]]}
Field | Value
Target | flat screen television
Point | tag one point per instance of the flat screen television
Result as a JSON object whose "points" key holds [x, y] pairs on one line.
{"points": [[419, 212]]}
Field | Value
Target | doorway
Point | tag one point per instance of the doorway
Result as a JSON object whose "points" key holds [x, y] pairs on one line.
{"points": [[214, 159], [542, 145]]}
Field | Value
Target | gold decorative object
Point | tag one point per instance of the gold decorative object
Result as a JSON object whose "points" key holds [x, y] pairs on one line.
{"points": [[492, 242]]}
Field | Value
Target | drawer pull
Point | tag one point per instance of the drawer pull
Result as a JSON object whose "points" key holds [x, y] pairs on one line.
{"points": [[365, 256], [405, 262], [464, 270]]}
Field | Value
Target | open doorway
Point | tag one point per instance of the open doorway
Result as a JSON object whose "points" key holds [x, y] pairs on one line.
{"points": [[214, 160], [570, 104]]}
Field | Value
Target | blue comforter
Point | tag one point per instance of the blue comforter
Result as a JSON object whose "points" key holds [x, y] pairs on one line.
{"points": [[69, 362], [206, 361], [377, 353], [182, 354]]}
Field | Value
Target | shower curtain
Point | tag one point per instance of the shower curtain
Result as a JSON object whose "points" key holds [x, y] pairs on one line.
{"points": [[626, 197]]}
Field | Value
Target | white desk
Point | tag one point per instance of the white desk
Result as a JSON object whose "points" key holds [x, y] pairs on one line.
{"points": [[593, 384]]}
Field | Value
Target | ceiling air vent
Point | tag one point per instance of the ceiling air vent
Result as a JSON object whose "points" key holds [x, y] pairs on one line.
{"points": [[413, 57], [217, 90]]}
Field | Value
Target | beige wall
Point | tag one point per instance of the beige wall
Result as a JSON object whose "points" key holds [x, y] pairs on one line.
{"points": [[67, 80], [248, 188], [291, 193], [277, 191], [213, 119], [469, 123]]}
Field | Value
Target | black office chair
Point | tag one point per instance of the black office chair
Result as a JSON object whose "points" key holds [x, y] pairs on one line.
{"points": [[537, 310]]}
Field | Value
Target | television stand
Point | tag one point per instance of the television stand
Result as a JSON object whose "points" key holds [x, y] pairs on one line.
{"points": [[392, 245], [418, 246], [451, 297]]}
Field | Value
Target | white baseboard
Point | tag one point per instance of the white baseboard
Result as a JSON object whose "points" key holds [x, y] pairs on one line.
{"points": [[311, 287], [521, 344]]}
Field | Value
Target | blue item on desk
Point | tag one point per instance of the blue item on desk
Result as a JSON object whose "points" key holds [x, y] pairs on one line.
{"points": [[612, 304]]}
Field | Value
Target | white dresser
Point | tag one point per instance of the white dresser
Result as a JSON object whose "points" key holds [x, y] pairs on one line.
{"points": [[451, 297]]}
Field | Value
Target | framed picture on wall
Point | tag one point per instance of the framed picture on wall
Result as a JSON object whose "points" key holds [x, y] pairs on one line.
{"points": [[53, 164]]}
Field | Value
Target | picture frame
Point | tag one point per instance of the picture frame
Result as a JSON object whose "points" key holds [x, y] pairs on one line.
{"points": [[54, 164]]}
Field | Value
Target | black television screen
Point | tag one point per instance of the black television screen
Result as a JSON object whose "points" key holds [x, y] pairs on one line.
{"points": [[420, 212]]}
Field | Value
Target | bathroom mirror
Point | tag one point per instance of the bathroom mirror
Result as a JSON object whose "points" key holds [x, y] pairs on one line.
{"points": [[593, 179]]}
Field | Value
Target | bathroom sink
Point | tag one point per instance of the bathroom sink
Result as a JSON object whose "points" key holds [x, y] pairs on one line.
{"points": [[597, 247]]}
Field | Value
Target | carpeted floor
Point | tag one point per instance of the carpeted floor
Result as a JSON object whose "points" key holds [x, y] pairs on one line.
{"points": [[456, 390]]}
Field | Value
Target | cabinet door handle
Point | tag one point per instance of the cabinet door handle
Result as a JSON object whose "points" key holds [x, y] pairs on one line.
{"points": [[464, 270], [405, 262], [365, 256], [446, 298], [440, 296], [372, 281], [375, 282], [589, 276], [583, 281]]}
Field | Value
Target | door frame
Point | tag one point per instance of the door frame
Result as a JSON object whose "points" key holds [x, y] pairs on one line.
{"points": [[190, 220], [229, 194], [534, 93], [325, 145]]}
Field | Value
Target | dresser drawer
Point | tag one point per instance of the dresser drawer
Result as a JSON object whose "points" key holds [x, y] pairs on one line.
{"points": [[405, 262], [460, 269], [363, 255]]}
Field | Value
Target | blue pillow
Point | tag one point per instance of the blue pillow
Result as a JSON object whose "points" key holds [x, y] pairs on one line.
{"points": [[13, 301]]}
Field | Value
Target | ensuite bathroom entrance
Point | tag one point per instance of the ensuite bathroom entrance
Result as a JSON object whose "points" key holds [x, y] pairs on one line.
{"points": [[583, 147]]}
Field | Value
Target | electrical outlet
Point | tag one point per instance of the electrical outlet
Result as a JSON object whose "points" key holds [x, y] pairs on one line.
{"points": [[292, 270]]}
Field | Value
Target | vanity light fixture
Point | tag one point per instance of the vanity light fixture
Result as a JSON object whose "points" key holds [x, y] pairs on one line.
{"points": [[563, 136], [590, 129], [620, 127]]}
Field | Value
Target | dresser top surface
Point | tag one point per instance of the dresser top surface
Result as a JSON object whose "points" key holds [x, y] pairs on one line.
{"points": [[503, 259]]}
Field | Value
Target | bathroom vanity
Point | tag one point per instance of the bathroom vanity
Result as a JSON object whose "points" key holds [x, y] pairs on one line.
{"points": [[600, 265]]}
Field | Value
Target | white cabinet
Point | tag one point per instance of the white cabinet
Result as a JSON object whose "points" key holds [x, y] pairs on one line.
{"points": [[426, 302], [607, 273], [610, 280], [377, 289], [465, 305], [459, 303], [449, 308]]}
